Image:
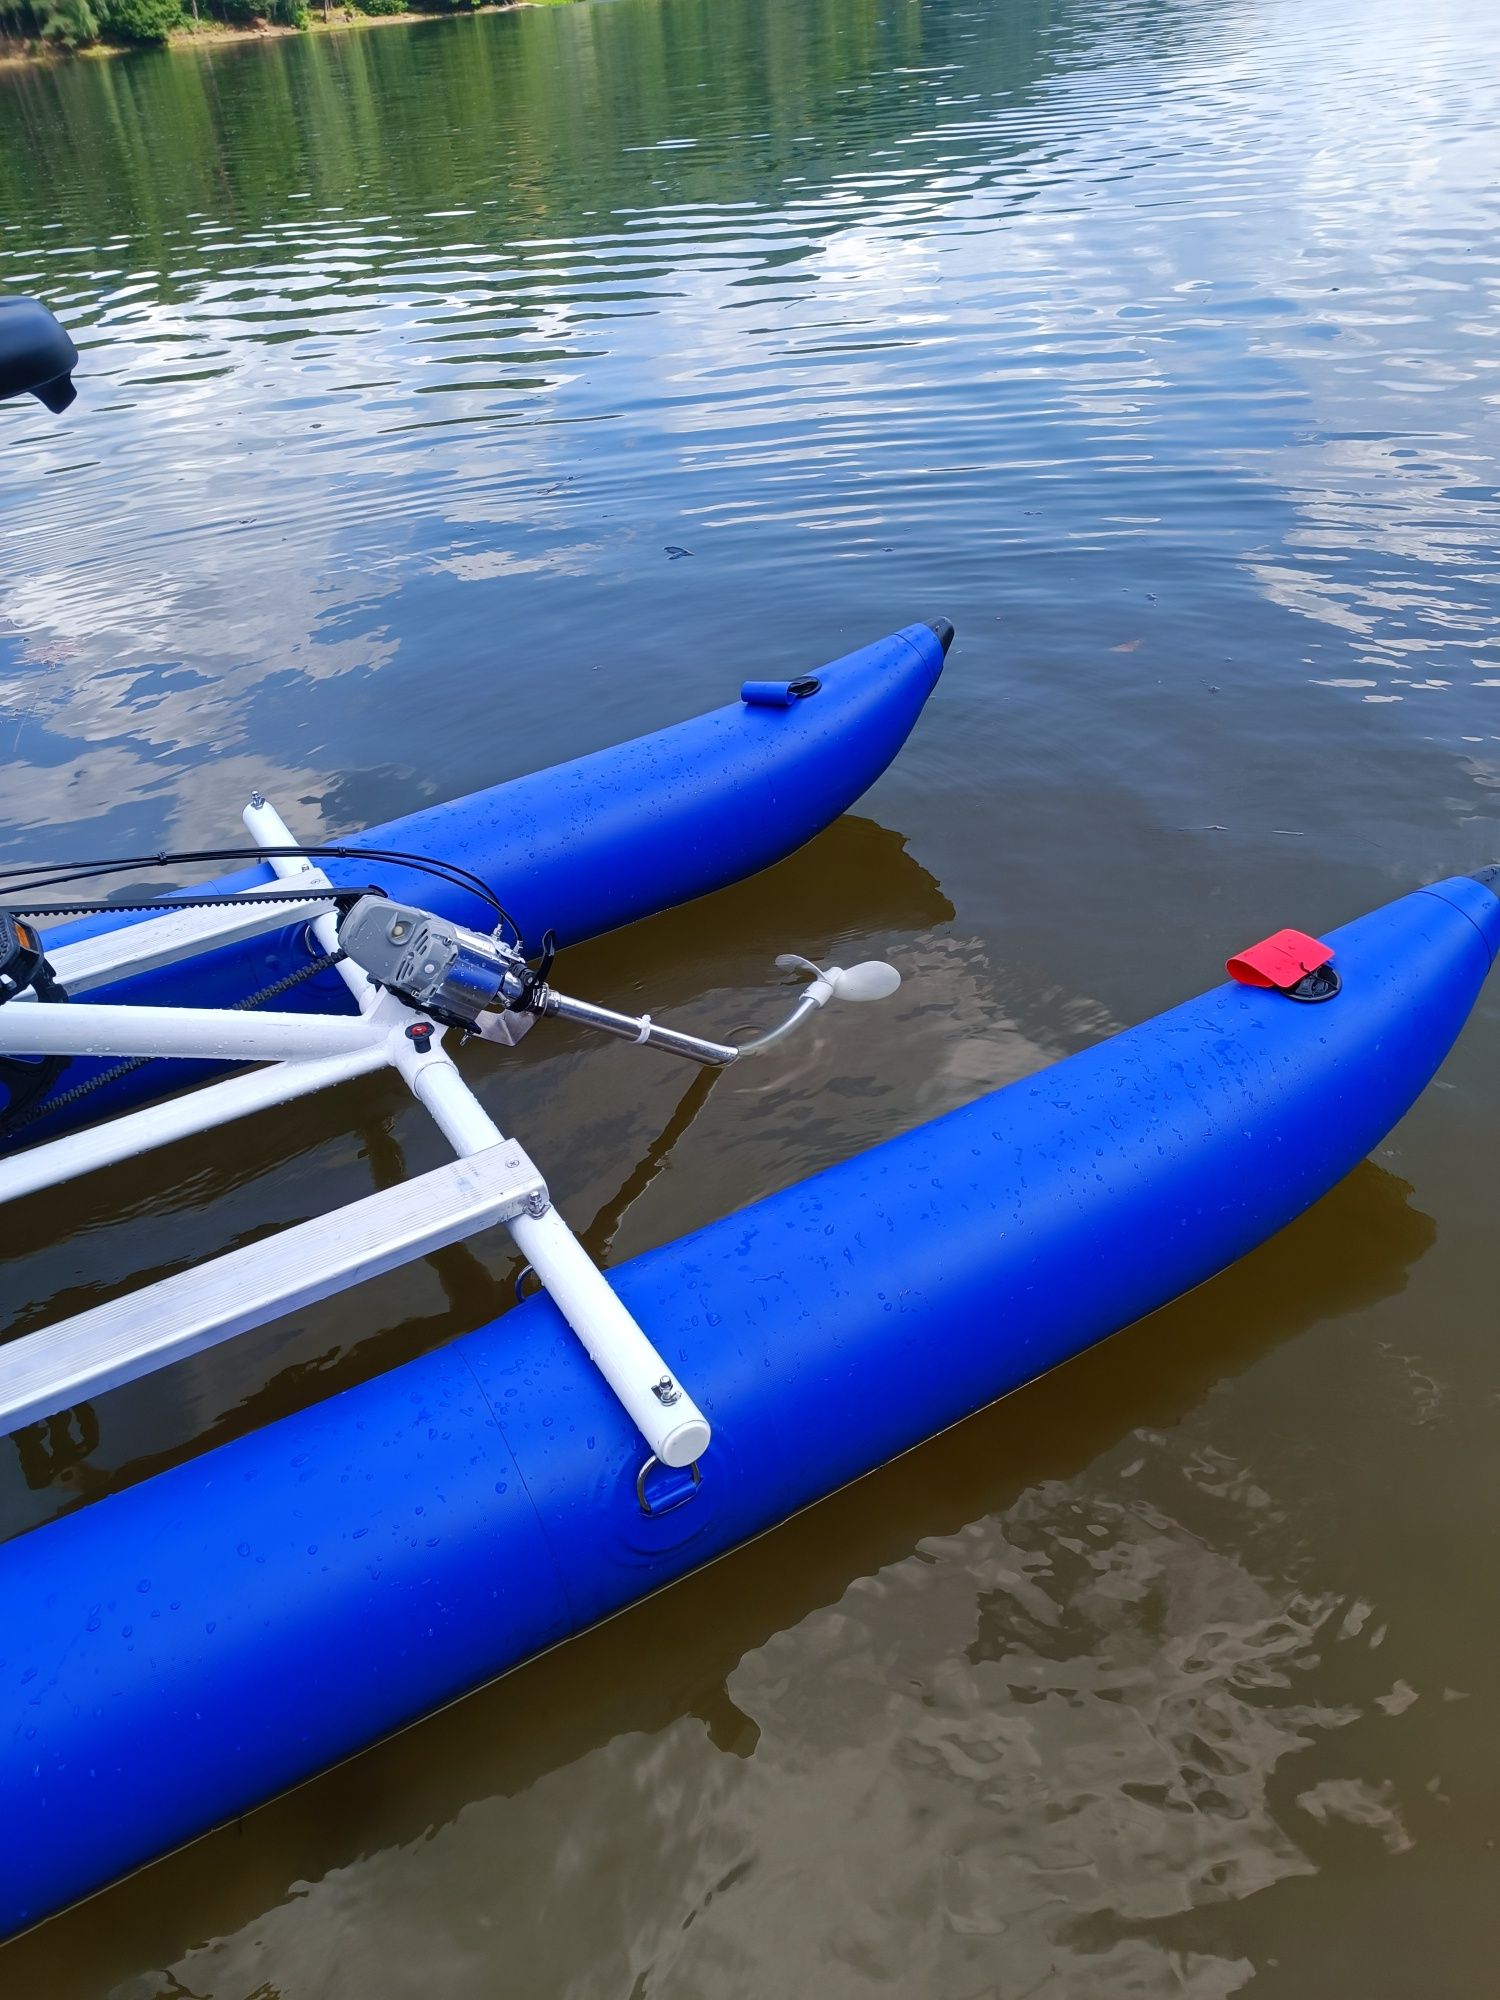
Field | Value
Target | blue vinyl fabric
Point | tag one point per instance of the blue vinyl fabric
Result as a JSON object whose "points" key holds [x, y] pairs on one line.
{"points": [[177, 1653], [580, 848]]}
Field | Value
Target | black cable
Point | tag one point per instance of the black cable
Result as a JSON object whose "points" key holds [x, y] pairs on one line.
{"points": [[45, 874]]}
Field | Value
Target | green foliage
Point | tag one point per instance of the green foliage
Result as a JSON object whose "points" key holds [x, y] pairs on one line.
{"points": [[72, 23], [75, 24], [139, 20]]}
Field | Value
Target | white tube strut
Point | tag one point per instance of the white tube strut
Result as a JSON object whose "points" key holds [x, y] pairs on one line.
{"points": [[202, 1110], [209, 1034], [268, 829], [676, 1430], [663, 1412]]}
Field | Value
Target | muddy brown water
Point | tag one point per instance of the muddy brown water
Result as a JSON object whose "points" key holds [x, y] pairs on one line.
{"points": [[1155, 344]]}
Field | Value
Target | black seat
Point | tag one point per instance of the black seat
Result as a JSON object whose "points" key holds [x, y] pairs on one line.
{"points": [[36, 356]]}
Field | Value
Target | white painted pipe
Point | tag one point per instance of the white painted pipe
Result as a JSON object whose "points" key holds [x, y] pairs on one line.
{"points": [[437, 1086], [677, 1433], [662, 1410], [676, 1430], [267, 828], [203, 1110], [209, 1034]]}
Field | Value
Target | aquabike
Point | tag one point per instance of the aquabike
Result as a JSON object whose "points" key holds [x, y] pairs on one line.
{"points": [[177, 1653]]}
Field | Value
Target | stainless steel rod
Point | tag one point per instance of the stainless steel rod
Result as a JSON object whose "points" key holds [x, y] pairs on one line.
{"points": [[639, 1028]]}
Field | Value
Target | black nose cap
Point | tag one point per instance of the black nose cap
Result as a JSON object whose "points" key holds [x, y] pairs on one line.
{"points": [[1490, 877], [56, 394], [37, 357], [944, 630]]}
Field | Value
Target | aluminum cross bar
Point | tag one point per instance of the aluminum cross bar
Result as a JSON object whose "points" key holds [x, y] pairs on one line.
{"points": [[162, 940], [126, 1338]]}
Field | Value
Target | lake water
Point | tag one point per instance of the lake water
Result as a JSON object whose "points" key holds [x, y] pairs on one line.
{"points": [[1157, 344]]}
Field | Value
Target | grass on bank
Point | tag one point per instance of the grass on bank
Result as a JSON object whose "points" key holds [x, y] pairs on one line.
{"points": [[38, 29]]}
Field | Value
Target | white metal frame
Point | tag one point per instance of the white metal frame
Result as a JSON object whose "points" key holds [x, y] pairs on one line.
{"points": [[48, 1370]]}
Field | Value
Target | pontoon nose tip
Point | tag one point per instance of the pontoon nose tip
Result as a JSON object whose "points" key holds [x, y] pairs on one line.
{"points": [[1490, 877], [944, 630], [57, 394]]}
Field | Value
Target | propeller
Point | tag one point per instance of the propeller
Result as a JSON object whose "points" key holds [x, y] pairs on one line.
{"points": [[871, 979]]}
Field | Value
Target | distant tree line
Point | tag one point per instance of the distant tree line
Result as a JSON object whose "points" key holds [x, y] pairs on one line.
{"points": [[76, 24]]}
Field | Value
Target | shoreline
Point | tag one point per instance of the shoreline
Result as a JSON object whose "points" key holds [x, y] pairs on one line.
{"points": [[20, 55]]}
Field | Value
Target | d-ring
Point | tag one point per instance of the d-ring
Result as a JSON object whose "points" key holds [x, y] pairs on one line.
{"points": [[682, 1498]]}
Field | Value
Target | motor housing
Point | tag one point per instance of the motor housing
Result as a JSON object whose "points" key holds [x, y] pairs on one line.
{"points": [[452, 973]]}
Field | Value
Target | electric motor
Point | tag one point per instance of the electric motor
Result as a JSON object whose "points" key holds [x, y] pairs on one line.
{"points": [[449, 972]]}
